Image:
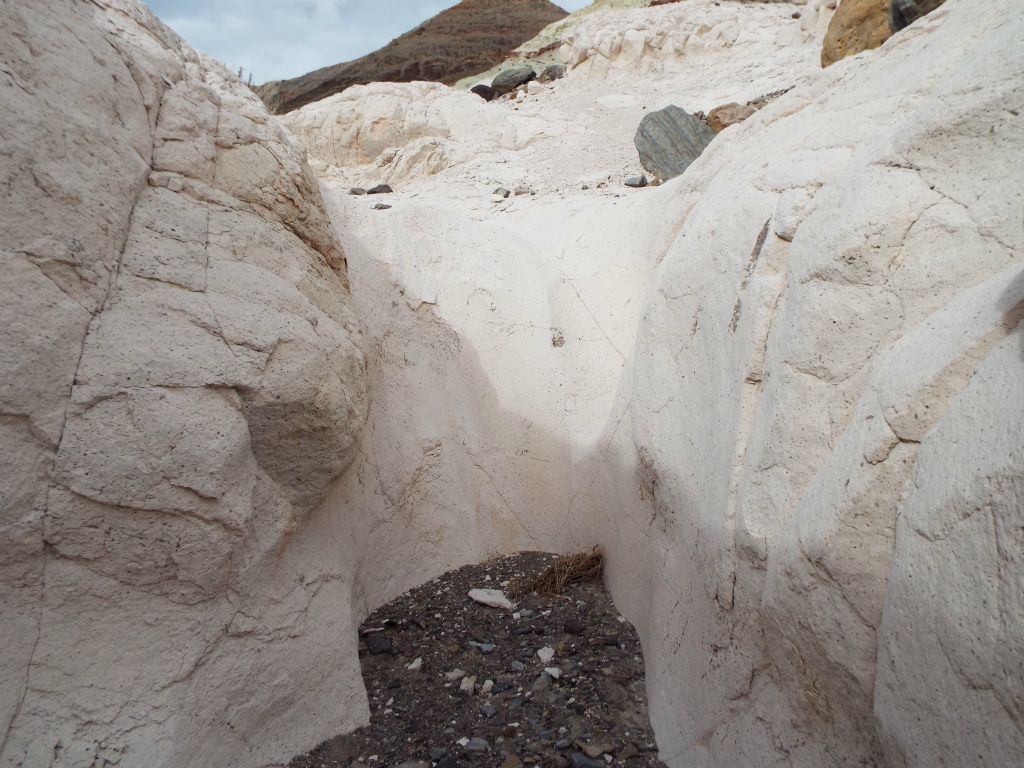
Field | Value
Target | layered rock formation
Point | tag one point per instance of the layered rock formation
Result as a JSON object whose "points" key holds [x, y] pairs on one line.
{"points": [[468, 37], [180, 385], [780, 390]]}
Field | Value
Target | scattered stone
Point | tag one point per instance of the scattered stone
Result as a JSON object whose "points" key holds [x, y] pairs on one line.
{"points": [[903, 13], [552, 72], [381, 207], [484, 648], [596, 750], [574, 627], [636, 181], [502, 192], [379, 643], [722, 117], [557, 338], [492, 598], [628, 753], [415, 666], [357, 191], [415, 764], [341, 749], [508, 699], [669, 140], [476, 744], [579, 760], [510, 79], [484, 91], [380, 189], [546, 654]]}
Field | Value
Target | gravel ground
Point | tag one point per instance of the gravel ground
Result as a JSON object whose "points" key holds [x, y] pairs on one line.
{"points": [[455, 683]]}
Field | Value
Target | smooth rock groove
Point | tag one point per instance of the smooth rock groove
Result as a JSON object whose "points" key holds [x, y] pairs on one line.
{"points": [[824, 300]]}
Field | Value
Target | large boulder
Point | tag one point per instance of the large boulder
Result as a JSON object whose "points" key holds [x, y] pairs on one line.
{"points": [[669, 139], [511, 78], [862, 25], [179, 385], [858, 25]]}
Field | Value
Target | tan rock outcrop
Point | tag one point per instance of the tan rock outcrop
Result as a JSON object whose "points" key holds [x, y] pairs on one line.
{"points": [[858, 25], [179, 385]]}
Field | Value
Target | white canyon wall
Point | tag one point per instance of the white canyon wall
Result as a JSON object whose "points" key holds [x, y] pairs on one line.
{"points": [[782, 391], [825, 421], [179, 384], [767, 386]]}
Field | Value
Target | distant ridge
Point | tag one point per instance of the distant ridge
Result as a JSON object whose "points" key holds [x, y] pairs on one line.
{"points": [[467, 38]]}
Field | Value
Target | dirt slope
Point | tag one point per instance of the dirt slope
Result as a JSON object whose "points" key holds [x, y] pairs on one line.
{"points": [[469, 37]]}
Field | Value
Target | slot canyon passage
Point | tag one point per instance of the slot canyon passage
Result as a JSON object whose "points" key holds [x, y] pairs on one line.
{"points": [[241, 408]]}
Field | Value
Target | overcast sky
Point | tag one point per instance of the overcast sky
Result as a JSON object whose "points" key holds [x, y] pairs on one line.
{"points": [[275, 39]]}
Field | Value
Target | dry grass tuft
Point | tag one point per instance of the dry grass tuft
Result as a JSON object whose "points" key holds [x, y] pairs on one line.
{"points": [[570, 569]]}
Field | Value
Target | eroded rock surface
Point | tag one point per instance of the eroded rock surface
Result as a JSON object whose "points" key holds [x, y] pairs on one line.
{"points": [[841, 303], [833, 296], [180, 385]]}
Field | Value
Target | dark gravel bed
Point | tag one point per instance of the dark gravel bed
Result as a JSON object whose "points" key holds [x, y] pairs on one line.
{"points": [[455, 683]]}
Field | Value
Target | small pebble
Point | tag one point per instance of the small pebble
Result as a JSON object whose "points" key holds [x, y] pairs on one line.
{"points": [[580, 760], [379, 643]]}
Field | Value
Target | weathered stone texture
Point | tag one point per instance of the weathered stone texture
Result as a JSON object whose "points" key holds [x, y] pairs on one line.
{"points": [[179, 384]]}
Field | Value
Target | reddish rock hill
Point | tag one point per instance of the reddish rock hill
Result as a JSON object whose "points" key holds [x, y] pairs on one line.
{"points": [[470, 37]]}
